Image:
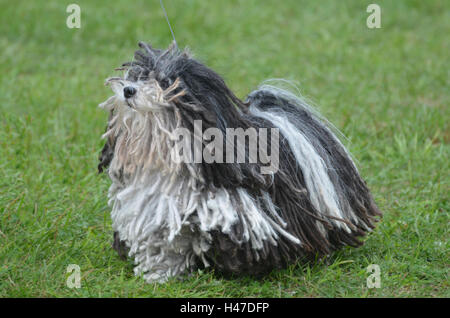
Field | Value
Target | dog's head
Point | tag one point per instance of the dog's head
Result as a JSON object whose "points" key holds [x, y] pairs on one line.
{"points": [[147, 86]]}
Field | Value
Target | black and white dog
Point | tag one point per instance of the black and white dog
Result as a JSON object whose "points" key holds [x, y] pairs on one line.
{"points": [[174, 215]]}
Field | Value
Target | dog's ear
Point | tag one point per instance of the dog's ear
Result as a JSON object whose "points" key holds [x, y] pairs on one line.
{"points": [[107, 153], [207, 89], [105, 156]]}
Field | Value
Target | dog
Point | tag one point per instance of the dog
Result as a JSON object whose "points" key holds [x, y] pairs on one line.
{"points": [[174, 216]]}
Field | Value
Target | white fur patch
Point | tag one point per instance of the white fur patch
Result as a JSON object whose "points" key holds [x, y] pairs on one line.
{"points": [[320, 188]]}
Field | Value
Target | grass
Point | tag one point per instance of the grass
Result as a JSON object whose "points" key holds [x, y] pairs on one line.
{"points": [[386, 89]]}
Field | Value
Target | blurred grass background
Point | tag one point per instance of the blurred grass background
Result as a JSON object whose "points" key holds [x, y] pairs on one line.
{"points": [[386, 89]]}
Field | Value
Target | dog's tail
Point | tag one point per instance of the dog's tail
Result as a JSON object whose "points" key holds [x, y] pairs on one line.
{"points": [[337, 206]]}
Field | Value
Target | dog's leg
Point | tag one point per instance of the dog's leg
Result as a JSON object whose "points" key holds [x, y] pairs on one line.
{"points": [[120, 247]]}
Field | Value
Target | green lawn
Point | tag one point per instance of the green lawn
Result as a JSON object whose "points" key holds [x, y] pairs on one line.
{"points": [[386, 89]]}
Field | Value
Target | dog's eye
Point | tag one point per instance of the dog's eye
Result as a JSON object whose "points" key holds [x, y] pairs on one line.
{"points": [[163, 82]]}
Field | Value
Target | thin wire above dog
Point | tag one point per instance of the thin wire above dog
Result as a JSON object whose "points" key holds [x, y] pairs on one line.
{"points": [[168, 22]]}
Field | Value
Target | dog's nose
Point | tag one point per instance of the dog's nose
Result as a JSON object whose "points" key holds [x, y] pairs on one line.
{"points": [[129, 91]]}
